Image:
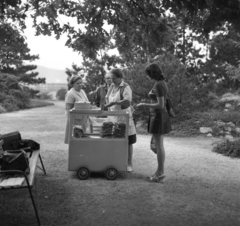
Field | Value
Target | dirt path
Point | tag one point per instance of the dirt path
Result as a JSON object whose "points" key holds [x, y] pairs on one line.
{"points": [[201, 188]]}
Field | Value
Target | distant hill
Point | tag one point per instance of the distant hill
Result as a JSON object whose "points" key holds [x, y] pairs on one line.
{"points": [[52, 75]]}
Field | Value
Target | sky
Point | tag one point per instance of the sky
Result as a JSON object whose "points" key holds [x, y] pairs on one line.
{"points": [[52, 52]]}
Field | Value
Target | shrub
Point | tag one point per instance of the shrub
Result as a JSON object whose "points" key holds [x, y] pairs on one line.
{"points": [[61, 93], [45, 96], [12, 96], [2, 109], [228, 148]]}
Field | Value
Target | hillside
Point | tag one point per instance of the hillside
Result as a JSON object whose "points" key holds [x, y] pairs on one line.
{"points": [[52, 75]]}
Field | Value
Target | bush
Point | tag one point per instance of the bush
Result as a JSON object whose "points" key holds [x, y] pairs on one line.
{"points": [[44, 96], [228, 148], [12, 96], [2, 109], [188, 124], [61, 93], [35, 103]]}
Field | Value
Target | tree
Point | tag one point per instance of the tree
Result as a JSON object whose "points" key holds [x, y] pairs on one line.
{"points": [[213, 13], [61, 93], [76, 70], [130, 23], [14, 52], [12, 96], [224, 54]]}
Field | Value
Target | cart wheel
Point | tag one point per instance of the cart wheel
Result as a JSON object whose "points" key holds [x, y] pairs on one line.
{"points": [[111, 174], [83, 173]]}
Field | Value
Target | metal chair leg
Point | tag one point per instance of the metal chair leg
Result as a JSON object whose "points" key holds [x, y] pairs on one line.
{"points": [[34, 205], [43, 169]]}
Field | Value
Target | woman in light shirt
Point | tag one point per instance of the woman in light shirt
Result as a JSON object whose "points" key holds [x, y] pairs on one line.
{"points": [[75, 94]]}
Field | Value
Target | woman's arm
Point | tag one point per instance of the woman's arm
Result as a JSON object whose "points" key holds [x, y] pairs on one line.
{"points": [[127, 97], [68, 107], [158, 105]]}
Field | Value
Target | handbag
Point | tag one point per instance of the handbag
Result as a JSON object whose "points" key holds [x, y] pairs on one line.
{"points": [[26, 144], [13, 141], [169, 107], [15, 160], [10, 138], [152, 145]]}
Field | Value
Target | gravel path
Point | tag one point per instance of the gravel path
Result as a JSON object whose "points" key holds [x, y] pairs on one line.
{"points": [[201, 188]]}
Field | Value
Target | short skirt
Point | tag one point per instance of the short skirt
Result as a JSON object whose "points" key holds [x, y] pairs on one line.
{"points": [[132, 139], [159, 123]]}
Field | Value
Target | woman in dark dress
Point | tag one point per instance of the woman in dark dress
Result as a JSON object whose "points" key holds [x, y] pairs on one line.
{"points": [[159, 122]]}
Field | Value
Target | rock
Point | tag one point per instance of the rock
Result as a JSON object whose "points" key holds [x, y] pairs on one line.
{"points": [[220, 123], [231, 124], [228, 129], [225, 109], [229, 137], [237, 129], [205, 130], [228, 105], [209, 135]]}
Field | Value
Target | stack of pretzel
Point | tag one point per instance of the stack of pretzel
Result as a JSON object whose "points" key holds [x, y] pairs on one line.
{"points": [[119, 130], [106, 130]]}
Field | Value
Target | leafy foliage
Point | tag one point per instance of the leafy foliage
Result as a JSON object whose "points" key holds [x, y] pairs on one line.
{"points": [[14, 52], [12, 96], [61, 93], [228, 148], [44, 96]]}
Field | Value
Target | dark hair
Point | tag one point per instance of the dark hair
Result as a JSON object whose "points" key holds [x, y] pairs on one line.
{"points": [[154, 71], [74, 79], [117, 72]]}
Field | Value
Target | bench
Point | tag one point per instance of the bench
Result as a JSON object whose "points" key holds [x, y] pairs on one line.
{"points": [[29, 179]]}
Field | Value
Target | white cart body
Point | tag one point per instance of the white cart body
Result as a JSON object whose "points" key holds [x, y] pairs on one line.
{"points": [[93, 151]]}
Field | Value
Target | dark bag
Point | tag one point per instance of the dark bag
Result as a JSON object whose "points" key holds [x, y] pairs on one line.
{"points": [[153, 146], [13, 141], [26, 144], [10, 138], [169, 107], [15, 160]]}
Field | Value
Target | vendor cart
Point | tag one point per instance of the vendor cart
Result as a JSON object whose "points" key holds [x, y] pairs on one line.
{"points": [[91, 151]]}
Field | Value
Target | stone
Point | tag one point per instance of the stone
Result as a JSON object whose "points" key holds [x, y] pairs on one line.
{"points": [[205, 130], [229, 137], [231, 124], [237, 129], [220, 123], [228, 129], [228, 105], [221, 132], [209, 135]]}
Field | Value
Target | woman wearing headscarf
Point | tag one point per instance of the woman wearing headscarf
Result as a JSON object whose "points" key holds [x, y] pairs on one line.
{"points": [[75, 94], [159, 122]]}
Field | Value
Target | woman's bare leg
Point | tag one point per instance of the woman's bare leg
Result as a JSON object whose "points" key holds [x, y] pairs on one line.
{"points": [[160, 154]]}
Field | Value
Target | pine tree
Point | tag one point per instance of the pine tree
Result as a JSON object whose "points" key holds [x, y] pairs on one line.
{"points": [[14, 55]]}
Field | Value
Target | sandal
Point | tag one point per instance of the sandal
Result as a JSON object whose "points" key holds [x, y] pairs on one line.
{"points": [[157, 179]]}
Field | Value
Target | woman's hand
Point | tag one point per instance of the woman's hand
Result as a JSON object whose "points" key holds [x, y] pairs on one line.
{"points": [[140, 105], [110, 104]]}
